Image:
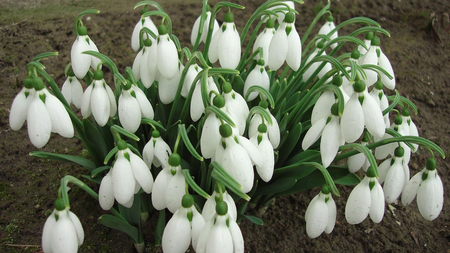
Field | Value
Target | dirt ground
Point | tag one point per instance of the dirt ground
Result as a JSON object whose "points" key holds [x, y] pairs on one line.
{"points": [[419, 55]]}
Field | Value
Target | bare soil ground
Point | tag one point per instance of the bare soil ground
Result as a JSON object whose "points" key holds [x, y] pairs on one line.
{"points": [[28, 186]]}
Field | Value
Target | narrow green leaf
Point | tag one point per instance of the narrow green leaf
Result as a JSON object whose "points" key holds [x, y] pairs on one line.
{"points": [[194, 185], [110, 155], [228, 181], [290, 143], [44, 56], [220, 114], [254, 220], [151, 3], [187, 142], [111, 65], [99, 170], [88, 164], [160, 225], [121, 225], [277, 185], [95, 138], [262, 91], [122, 131]]}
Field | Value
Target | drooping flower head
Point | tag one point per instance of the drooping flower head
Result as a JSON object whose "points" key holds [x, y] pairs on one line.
{"points": [[80, 61], [72, 90], [320, 215], [327, 28], [204, 32], [263, 41], [143, 22]]}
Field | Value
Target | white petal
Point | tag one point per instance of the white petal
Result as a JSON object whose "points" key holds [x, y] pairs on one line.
{"points": [[162, 153], [430, 196], [39, 123], [61, 122], [177, 233], [252, 151], [355, 162], [159, 189], [257, 77], [331, 215], [373, 117], [370, 58], [229, 47], [123, 180], [189, 79], [265, 170], [384, 63], [148, 153], [278, 49], [220, 239], [294, 57], [237, 109], [135, 35], [167, 88], [410, 190], [176, 189], [383, 169], [322, 108], [141, 172], [144, 104], [377, 202], [197, 225], [86, 101], [19, 108], [66, 90], [352, 120], [47, 233], [330, 142], [358, 203], [78, 227], [94, 60], [80, 62], [317, 218], [197, 108], [64, 235], [383, 151], [147, 68], [393, 184], [167, 56], [263, 40], [314, 133], [213, 52], [210, 137], [136, 67], [236, 234], [129, 112], [77, 92], [100, 104], [106, 192], [203, 237]]}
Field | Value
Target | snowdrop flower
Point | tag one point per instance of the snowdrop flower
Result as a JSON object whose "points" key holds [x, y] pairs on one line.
{"points": [[133, 105], [347, 86], [144, 65], [226, 44], [282, 8], [143, 22], [185, 226], [210, 137], [273, 130], [257, 77], [204, 34], [20, 105], [376, 57], [285, 45], [236, 107], [327, 28], [388, 149], [367, 198], [156, 151], [128, 174], [262, 143], [427, 185], [166, 54], [320, 215], [72, 90], [99, 100], [367, 42], [308, 73], [167, 88], [209, 209], [45, 114], [394, 172], [220, 234], [358, 161], [237, 154], [263, 41], [361, 110], [409, 127], [63, 231], [81, 62], [191, 73], [170, 186], [378, 95], [197, 107]]}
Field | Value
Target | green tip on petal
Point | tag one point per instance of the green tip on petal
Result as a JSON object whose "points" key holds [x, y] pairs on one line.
{"points": [[270, 23], [219, 101], [399, 152], [98, 74], [225, 130], [162, 29], [121, 145], [289, 18], [228, 17], [174, 160], [28, 83], [221, 208], [187, 200], [375, 41], [355, 54], [82, 30], [337, 80], [38, 83], [406, 112], [359, 86], [59, 204], [431, 164], [398, 120]]}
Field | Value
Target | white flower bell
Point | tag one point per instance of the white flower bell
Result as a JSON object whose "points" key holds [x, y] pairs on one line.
{"points": [[191, 73], [367, 42], [156, 151], [327, 28], [257, 77], [358, 161], [44, 114], [285, 45], [320, 215], [367, 198], [20, 105], [209, 209], [166, 54], [394, 173], [143, 22], [314, 66], [428, 187], [204, 34], [236, 107], [72, 90], [282, 8], [226, 44], [197, 108], [273, 130], [183, 228], [128, 174], [263, 41], [144, 64], [170, 186], [261, 141], [63, 231], [167, 88], [378, 95], [221, 234], [99, 100], [81, 62], [133, 106]]}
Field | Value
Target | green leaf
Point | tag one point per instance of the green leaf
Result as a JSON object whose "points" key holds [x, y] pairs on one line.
{"points": [[254, 219], [187, 142], [44, 56], [95, 138], [262, 91], [349, 179], [122, 131], [194, 185], [99, 170], [121, 225], [160, 225], [305, 156], [88, 164], [290, 143], [220, 114], [277, 185], [111, 65]]}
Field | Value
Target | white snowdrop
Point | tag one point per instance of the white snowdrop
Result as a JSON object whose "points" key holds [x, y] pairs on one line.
{"points": [[72, 90], [409, 127], [45, 114], [320, 215], [20, 105], [183, 228], [314, 66], [367, 198], [273, 130], [236, 107], [197, 108], [81, 62], [263, 41], [63, 231], [143, 22], [203, 36], [128, 174], [170, 186], [257, 77], [144, 64], [358, 161], [378, 95], [282, 8], [221, 234], [261, 141], [133, 106], [394, 176], [327, 28], [156, 151], [226, 44], [209, 209], [285, 45], [361, 110], [428, 187], [367, 42], [166, 54], [167, 88], [191, 73]]}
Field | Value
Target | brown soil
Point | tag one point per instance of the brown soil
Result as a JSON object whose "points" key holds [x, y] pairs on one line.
{"points": [[29, 185]]}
